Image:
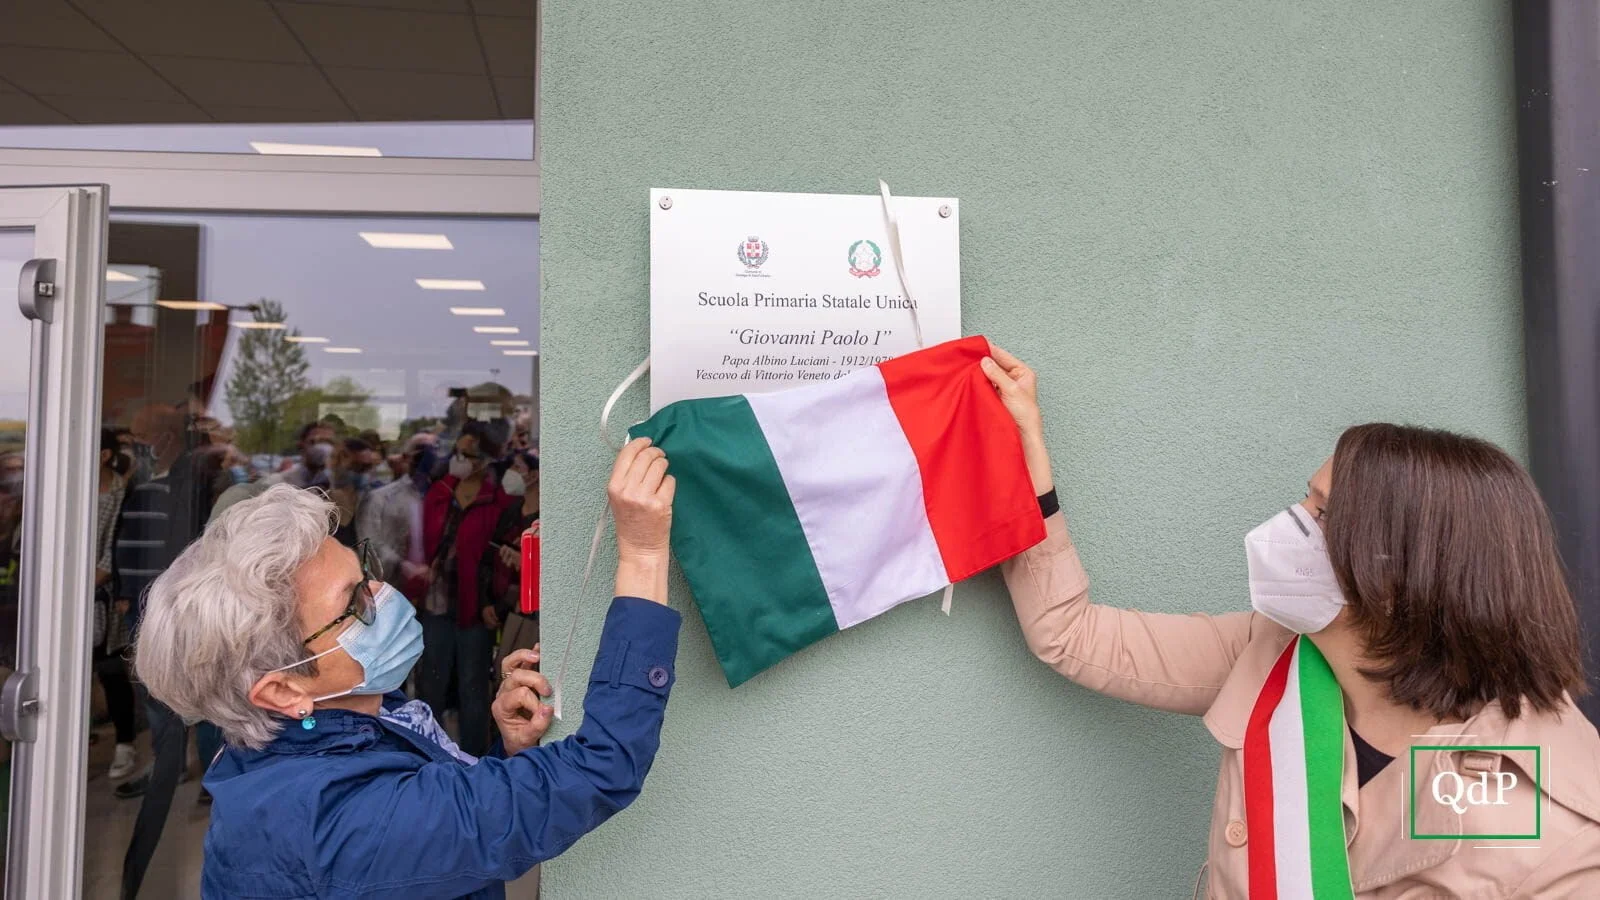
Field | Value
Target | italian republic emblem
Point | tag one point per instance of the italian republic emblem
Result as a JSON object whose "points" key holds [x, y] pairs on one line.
{"points": [[753, 252], [865, 258]]}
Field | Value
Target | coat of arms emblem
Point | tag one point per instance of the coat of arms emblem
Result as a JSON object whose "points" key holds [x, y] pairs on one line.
{"points": [[865, 258], [753, 252]]}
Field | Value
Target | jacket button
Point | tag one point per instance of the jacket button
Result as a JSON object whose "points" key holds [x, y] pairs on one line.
{"points": [[658, 677], [1235, 833]]}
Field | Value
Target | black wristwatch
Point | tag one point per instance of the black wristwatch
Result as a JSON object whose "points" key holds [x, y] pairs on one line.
{"points": [[1049, 503]]}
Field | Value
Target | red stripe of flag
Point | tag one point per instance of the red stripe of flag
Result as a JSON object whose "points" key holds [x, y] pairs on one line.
{"points": [[975, 481], [1258, 781]]}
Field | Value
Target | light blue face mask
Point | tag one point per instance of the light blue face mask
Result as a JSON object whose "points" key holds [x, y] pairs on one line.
{"points": [[386, 649]]}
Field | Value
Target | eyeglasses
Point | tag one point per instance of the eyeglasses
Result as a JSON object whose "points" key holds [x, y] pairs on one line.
{"points": [[362, 606]]}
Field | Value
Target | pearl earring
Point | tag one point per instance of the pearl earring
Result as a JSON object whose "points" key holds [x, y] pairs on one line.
{"points": [[306, 721]]}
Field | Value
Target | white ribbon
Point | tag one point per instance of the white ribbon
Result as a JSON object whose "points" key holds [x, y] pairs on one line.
{"points": [[605, 413], [599, 532], [899, 259], [577, 607]]}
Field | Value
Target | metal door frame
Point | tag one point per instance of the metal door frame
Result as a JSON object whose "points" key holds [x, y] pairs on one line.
{"points": [[45, 856]]}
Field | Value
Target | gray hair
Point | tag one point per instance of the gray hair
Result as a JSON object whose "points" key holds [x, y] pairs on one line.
{"points": [[224, 613]]}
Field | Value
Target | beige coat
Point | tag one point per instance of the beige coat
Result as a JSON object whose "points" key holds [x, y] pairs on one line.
{"points": [[1214, 666]]}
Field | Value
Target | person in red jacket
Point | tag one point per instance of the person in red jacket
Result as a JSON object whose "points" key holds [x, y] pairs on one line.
{"points": [[500, 574], [460, 513]]}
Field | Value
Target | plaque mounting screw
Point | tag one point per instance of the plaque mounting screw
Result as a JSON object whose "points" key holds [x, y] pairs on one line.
{"points": [[944, 211], [665, 202]]}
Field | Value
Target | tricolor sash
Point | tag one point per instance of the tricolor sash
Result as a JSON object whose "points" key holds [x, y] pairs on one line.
{"points": [[1293, 772]]}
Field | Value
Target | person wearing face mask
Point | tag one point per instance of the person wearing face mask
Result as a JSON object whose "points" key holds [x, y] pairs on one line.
{"points": [[346, 485], [1414, 597], [238, 467], [350, 482], [500, 570], [459, 517], [360, 462], [317, 450], [390, 517], [331, 783]]}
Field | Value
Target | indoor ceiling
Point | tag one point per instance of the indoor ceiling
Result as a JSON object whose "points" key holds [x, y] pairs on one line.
{"points": [[168, 61]]}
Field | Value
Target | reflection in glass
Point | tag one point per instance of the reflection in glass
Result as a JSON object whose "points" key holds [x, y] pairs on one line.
{"points": [[247, 351], [16, 247]]}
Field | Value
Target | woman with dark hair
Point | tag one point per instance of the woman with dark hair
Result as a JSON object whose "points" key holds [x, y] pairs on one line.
{"points": [[500, 570], [1411, 615], [110, 635], [459, 514]]}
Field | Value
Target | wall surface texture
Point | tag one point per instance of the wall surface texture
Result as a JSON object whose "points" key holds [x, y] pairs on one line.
{"points": [[1222, 231]]}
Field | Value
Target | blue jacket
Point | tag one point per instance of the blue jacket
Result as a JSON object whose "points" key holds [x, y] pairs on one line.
{"points": [[360, 807]]}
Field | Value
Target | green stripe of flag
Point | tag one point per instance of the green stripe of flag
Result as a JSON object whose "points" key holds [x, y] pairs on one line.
{"points": [[1322, 714], [737, 537]]}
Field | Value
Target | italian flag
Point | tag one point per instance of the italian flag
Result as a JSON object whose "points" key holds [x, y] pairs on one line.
{"points": [[1293, 771], [803, 512]]}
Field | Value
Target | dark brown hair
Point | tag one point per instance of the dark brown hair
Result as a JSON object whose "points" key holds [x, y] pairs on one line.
{"points": [[1446, 554]]}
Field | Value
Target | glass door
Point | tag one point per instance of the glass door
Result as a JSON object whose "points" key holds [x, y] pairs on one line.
{"points": [[52, 252], [240, 350]]}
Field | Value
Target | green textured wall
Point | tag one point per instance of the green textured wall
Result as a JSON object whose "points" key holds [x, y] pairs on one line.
{"points": [[1221, 230]]}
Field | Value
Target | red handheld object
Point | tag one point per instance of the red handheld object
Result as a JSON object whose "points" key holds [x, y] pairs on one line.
{"points": [[529, 596]]}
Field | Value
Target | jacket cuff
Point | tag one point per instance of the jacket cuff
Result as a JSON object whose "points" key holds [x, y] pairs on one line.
{"points": [[1054, 560], [1056, 537], [638, 646]]}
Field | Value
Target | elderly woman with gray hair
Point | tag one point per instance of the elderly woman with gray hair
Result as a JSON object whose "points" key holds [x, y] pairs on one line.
{"points": [[332, 784]]}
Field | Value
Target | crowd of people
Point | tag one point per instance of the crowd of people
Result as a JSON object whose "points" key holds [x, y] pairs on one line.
{"points": [[439, 513]]}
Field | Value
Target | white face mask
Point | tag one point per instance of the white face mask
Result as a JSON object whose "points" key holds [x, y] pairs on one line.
{"points": [[513, 483], [1291, 578]]}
